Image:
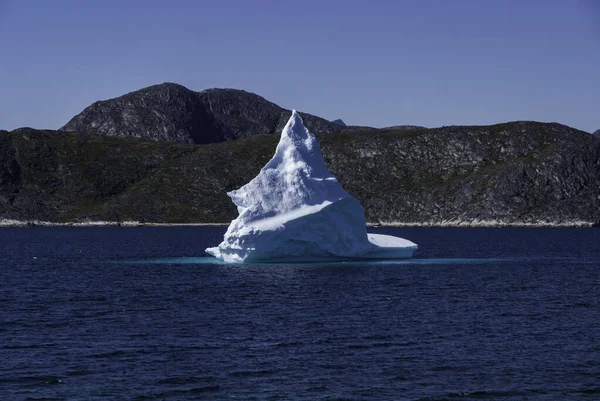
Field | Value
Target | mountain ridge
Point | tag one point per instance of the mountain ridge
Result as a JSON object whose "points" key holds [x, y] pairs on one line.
{"points": [[171, 112]]}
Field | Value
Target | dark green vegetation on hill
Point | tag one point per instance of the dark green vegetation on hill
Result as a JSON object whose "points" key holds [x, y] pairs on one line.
{"points": [[522, 172]]}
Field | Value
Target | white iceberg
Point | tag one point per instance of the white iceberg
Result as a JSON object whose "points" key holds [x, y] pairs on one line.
{"points": [[295, 210]]}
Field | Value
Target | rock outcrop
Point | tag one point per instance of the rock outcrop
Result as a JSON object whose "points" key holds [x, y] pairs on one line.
{"points": [[403, 128], [172, 113]]}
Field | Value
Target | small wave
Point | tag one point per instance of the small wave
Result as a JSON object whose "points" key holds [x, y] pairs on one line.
{"points": [[185, 392], [252, 373], [446, 368], [378, 337], [108, 354], [31, 346], [204, 389], [381, 344], [358, 346], [585, 305], [478, 394], [87, 299], [32, 380], [78, 372], [185, 380], [144, 397], [120, 353], [317, 389], [489, 394], [287, 344], [53, 381]]}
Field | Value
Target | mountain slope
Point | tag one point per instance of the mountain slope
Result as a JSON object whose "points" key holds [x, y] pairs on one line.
{"points": [[513, 173], [172, 113]]}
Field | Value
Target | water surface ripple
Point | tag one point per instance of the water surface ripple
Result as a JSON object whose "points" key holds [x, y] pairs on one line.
{"points": [[141, 314]]}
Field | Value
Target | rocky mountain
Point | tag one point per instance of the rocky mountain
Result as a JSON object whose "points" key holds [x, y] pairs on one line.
{"points": [[597, 133], [513, 173], [339, 122], [172, 113]]}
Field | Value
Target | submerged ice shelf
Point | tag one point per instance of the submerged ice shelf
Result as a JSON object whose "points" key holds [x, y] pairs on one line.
{"points": [[295, 210]]}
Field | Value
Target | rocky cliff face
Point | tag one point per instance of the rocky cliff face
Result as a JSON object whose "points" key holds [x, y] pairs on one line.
{"points": [[521, 172], [514, 173], [172, 113]]}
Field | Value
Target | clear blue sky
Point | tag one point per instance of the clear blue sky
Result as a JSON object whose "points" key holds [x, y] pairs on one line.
{"points": [[375, 63]]}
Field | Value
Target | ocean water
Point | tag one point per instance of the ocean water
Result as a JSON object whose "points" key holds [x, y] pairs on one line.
{"points": [[141, 314]]}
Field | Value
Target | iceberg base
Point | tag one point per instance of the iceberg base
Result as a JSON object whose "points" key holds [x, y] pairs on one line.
{"points": [[382, 247]]}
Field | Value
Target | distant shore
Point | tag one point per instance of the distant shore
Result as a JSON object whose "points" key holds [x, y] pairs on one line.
{"points": [[452, 223], [487, 223], [41, 223]]}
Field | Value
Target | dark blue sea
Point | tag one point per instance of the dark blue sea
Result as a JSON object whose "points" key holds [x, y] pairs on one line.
{"points": [[141, 314]]}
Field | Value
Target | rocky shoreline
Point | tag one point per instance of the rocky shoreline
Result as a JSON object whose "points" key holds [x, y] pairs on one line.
{"points": [[41, 223], [448, 224]]}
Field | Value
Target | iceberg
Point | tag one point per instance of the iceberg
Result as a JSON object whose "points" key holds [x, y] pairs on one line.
{"points": [[295, 210]]}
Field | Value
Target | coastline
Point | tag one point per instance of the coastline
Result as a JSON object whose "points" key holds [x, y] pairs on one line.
{"points": [[42, 223], [487, 224], [451, 223]]}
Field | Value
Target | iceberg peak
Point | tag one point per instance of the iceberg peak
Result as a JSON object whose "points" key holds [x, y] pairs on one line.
{"points": [[295, 177], [298, 144], [295, 122], [295, 209], [294, 129]]}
